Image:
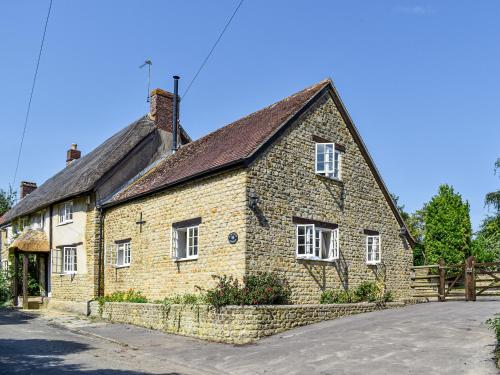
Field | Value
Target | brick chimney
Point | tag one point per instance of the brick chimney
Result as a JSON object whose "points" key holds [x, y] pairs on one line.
{"points": [[73, 154], [161, 109], [26, 188]]}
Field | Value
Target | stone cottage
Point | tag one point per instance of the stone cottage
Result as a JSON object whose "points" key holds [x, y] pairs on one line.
{"points": [[60, 222], [290, 189]]}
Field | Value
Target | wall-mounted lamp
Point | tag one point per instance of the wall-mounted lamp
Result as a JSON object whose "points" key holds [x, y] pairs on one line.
{"points": [[403, 232], [252, 200]]}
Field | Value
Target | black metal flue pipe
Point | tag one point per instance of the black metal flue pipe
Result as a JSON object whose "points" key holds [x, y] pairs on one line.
{"points": [[175, 113]]}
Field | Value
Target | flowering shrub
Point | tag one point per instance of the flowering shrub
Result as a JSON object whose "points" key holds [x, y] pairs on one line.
{"points": [[259, 289]]}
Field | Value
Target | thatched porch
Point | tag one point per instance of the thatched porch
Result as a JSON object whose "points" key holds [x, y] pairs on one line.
{"points": [[30, 242]]}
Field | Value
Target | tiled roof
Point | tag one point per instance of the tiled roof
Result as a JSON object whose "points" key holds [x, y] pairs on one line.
{"points": [[226, 146]]}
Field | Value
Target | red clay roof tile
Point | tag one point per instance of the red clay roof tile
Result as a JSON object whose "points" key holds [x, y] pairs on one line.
{"points": [[230, 144]]}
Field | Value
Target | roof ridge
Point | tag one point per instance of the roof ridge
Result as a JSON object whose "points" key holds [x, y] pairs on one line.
{"points": [[311, 87]]}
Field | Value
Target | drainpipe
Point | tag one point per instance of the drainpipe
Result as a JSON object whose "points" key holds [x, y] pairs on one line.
{"points": [[49, 258], [101, 230]]}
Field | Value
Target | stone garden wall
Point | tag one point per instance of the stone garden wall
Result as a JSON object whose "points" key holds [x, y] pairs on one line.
{"points": [[232, 324]]}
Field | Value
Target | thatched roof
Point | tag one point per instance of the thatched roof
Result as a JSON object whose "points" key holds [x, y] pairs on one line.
{"points": [[82, 175], [31, 240]]}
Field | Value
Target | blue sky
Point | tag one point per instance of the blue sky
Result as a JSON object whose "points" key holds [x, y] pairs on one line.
{"points": [[420, 78]]}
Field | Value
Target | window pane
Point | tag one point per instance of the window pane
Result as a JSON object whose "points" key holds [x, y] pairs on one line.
{"points": [[181, 243]]}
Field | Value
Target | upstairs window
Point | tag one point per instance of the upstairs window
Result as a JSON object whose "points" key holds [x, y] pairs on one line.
{"points": [[316, 243], [328, 160], [66, 212], [373, 249], [37, 221]]}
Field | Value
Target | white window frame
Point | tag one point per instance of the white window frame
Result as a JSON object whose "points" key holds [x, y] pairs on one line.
{"points": [[67, 214], [192, 248], [70, 261], [57, 260], [335, 172], [311, 240], [126, 248], [34, 225], [374, 260]]}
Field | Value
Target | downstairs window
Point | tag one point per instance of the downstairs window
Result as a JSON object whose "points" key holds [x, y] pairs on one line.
{"points": [[316, 243]]}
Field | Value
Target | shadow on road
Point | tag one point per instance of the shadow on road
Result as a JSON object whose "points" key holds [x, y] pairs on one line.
{"points": [[13, 316], [43, 356], [38, 356]]}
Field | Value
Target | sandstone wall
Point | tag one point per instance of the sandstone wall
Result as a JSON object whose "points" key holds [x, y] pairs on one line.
{"points": [[232, 324], [218, 200], [286, 185]]}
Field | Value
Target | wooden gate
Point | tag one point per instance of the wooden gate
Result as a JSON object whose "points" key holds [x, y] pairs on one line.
{"points": [[456, 281]]}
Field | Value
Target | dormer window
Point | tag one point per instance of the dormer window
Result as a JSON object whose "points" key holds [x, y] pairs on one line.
{"points": [[328, 160], [66, 213]]}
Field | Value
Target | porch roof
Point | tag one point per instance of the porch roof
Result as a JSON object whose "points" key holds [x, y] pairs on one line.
{"points": [[32, 241]]}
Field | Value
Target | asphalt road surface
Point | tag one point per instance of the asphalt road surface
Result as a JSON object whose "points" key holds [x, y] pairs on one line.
{"points": [[433, 338]]}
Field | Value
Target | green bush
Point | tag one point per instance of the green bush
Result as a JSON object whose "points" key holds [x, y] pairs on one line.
{"points": [[260, 289], [342, 296], [128, 296], [367, 291], [265, 289], [494, 324], [388, 296], [182, 299], [5, 288]]}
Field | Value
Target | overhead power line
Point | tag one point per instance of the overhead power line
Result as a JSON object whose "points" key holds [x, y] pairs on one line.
{"points": [[213, 48], [31, 94]]}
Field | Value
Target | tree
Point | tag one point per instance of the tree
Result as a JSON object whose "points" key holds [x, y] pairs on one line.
{"points": [[7, 200], [415, 224], [448, 231], [486, 244], [493, 199]]}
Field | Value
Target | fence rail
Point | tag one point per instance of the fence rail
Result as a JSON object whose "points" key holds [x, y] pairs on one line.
{"points": [[456, 281]]}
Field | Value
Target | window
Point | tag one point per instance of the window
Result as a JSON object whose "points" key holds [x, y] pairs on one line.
{"points": [[317, 243], [37, 221], [66, 213], [64, 260], [373, 249], [69, 260], [185, 242], [123, 254], [328, 160], [57, 261]]}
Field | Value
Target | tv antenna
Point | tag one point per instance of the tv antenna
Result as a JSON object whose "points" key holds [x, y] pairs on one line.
{"points": [[148, 63]]}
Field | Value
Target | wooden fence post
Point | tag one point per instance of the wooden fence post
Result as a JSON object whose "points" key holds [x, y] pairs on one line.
{"points": [[442, 277], [470, 280]]}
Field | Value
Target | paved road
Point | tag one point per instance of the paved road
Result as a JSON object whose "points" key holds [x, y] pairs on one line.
{"points": [[435, 338]]}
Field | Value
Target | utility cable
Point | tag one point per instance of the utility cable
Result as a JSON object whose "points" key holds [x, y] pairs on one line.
{"points": [[31, 93]]}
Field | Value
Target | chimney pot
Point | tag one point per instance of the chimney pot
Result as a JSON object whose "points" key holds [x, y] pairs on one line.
{"points": [[26, 188], [73, 154]]}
